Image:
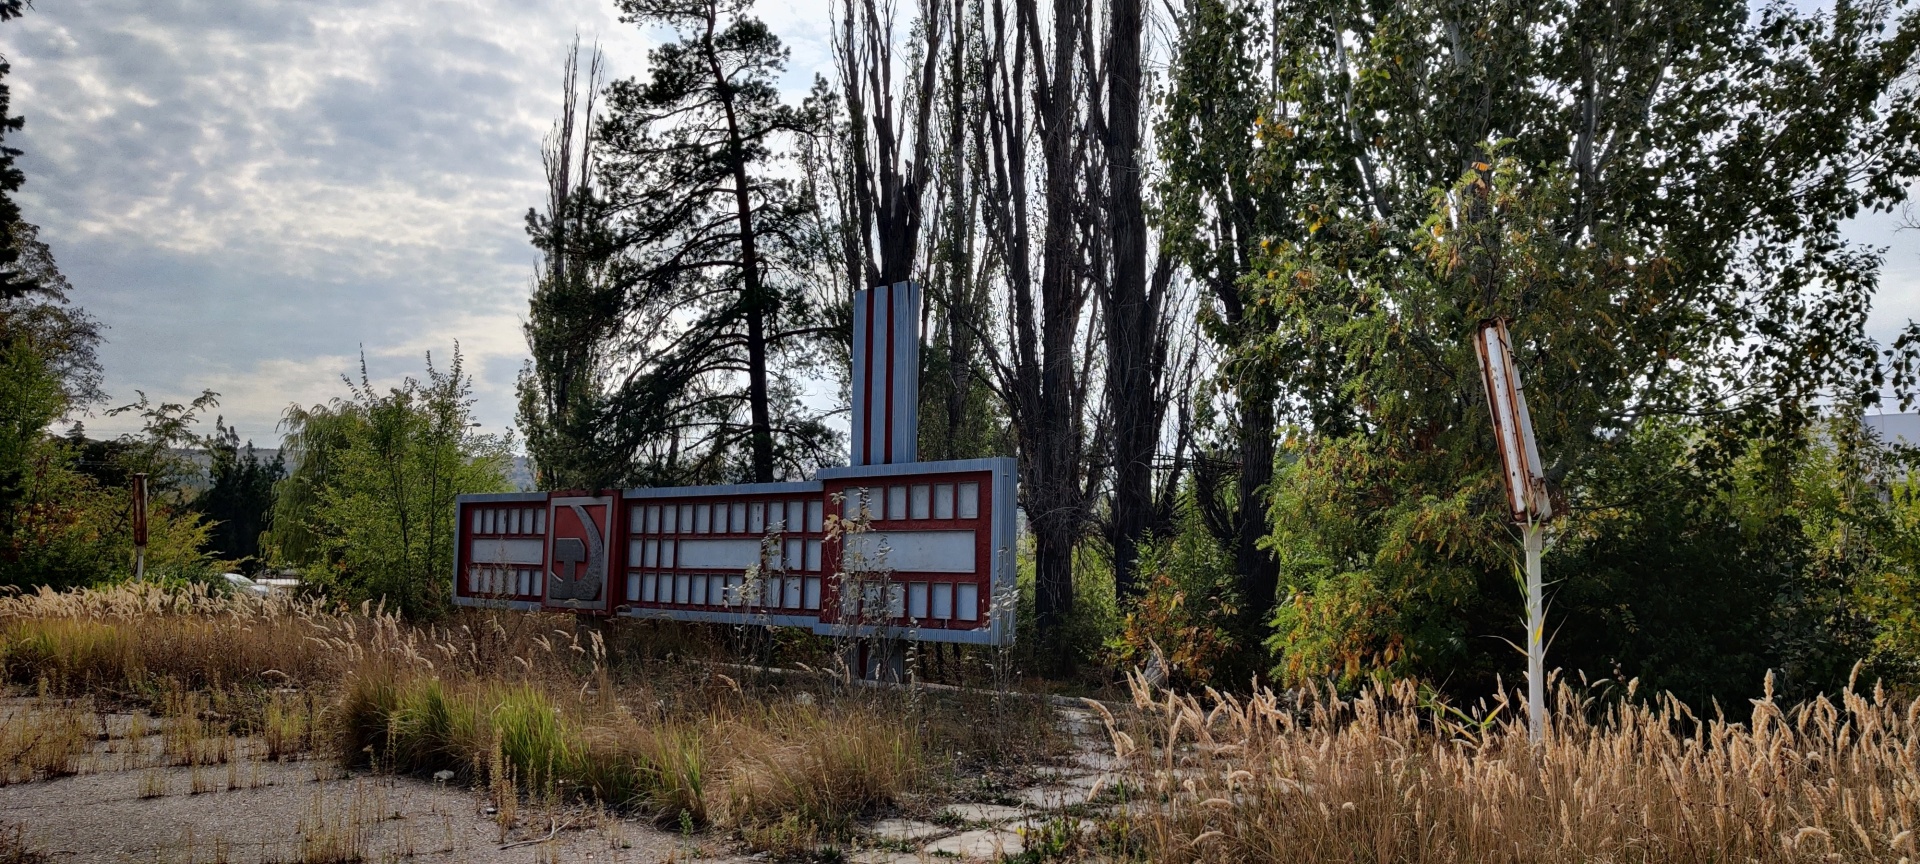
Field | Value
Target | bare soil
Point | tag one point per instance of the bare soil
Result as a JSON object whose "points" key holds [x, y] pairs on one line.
{"points": [[125, 805]]}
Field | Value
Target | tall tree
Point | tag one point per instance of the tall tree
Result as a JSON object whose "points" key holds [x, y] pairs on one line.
{"points": [[1652, 192], [709, 233], [1213, 214], [890, 134], [576, 311], [1034, 94], [15, 280], [1135, 303]]}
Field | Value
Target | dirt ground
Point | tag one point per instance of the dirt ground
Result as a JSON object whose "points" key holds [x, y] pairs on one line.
{"points": [[125, 802]]}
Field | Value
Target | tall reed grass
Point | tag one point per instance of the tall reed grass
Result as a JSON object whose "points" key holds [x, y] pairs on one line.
{"points": [[1389, 775]]}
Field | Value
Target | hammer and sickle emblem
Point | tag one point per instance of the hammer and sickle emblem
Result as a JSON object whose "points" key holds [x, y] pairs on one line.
{"points": [[578, 567]]}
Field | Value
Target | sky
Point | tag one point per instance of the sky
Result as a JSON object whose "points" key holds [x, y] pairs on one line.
{"points": [[250, 194]]}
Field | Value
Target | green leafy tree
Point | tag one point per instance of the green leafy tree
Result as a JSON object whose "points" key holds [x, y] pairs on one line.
{"points": [[373, 494], [1652, 193]]}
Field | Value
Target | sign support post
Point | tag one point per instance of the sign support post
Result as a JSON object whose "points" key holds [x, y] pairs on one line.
{"points": [[139, 527], [1533, 538]]}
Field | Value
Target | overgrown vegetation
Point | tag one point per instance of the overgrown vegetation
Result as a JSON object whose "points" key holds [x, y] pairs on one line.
{"points": [[1395, 774], [368, 511]]}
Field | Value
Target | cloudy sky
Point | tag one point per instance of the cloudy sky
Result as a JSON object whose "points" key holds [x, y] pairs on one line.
{"points": [[249, 193]]}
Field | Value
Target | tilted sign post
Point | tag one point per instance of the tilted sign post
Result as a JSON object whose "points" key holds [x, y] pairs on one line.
{"points": [[1527, 498], [926, 554]]}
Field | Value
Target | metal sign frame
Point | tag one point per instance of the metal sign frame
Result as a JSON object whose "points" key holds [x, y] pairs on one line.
{"points": [[1520, 465]]}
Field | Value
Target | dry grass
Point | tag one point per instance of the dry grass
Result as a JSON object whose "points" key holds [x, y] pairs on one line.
{"points": [[740, 764], [1388, 776], [522, 705], [45, 739], [14, 848]]}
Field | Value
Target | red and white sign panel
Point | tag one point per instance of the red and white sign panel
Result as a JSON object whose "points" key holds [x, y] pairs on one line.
{"points": [[914, 551], [1521, 469]]}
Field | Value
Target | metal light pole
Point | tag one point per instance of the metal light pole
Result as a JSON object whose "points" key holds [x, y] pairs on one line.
{"points": [[1527, 498]]}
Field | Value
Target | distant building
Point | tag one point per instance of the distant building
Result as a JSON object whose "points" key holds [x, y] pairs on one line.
{"points": [[1895, 428]]}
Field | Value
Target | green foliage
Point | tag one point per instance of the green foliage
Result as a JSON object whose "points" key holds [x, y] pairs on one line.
{"points": [[1652, 194], [240, 500], [674, 316], [64, 502], [370, 508], [1189, 608]]}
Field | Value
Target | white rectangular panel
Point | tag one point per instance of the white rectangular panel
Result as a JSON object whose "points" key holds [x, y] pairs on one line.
{"points": [[633, 587], [792, 598], [682, 587], [666, 553], [896, 502], [911, 551], [969, 500], [652, 557], [917, 600], [815, 516], [810, 593], [966, 599], [720, 554], [650, 588], [790, 559], [653, 519], [479, 519], [539, 521], [943, 501], [757, 517], [896, 601], [738, 523], [699, 591], [943, 600], [501, 551], [671, 525], [813, 555], [920, 503]]}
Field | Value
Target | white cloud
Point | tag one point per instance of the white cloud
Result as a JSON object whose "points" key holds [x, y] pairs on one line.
{"points": [[250, 192]]}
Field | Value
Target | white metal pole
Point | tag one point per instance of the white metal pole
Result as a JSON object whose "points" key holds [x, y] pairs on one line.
{"points": [[1532, 537]]}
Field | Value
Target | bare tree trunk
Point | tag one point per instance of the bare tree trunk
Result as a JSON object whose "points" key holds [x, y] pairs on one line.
{"points": [[1134, 348]]}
